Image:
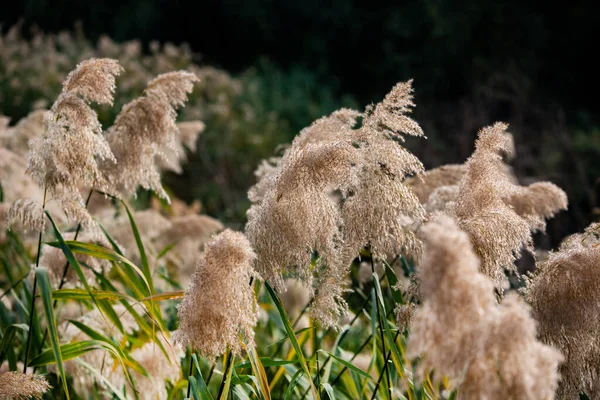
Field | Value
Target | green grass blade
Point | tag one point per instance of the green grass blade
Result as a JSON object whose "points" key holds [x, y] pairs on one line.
{"points": [[201, 384], [8, 337], [329, 391], [293, 383], [96, 251], [68, 352], [82, 294], [229, 368], [71, 259], [141, 249], [46, 294], [293, 339], [259, 372], [268, 362], [195, 389], [393, 281], [116, 349], [347, 364]]}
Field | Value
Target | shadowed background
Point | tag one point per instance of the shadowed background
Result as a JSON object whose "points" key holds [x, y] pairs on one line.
{"points": [[293, 61]]}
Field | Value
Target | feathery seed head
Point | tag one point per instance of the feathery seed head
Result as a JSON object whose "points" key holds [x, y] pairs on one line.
{"points": [[497, 231], [29, 213], [219, 305], [18, 386], [94, 80], [66, 155], [449, 329], [389, 116], [424, 184], [487, 351], [564, 295], [337, 189], [145, 130]]}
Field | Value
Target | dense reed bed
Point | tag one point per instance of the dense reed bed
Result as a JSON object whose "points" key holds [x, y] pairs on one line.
{"points": [[359, 274]]}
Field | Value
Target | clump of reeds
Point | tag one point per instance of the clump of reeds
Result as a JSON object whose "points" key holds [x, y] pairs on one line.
{"points": [[459, 332], [564, 294], [337, 189], [498, 214]]}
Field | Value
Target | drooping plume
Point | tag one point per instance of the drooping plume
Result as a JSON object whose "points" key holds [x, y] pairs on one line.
{"points": [[145, 130], [487, 351], [66, 155], [337, 189], [450, 327], [564, 293], [484, 210], [220, 305]]}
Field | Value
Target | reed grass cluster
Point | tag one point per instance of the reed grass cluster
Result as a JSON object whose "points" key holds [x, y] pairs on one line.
{"points": [[358, 275]]}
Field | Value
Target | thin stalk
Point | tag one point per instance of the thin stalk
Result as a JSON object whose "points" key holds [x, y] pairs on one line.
{"points": [[225, 372], [343, 335], [32, 308], [190, 373], [387, 361], [380, 318], [316, 350], [64, 274], [210, 373], [280, 345], [66, 268], [360, 349], [14, 285]]}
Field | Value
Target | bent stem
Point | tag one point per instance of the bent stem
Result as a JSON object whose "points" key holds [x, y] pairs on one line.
{"points": [[32, 308]]}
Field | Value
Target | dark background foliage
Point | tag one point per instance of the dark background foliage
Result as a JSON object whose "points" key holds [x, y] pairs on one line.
{"points": [[474, 62]]}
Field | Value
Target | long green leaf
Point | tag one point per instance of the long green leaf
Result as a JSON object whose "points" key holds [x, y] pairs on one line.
{"points": [[293, 383], [8, 337], [347, 364], [195, 389], [71, 259], [69, 351], [140, 245], [82, 294], [329, 391], [201, 387], [393, 281], [293, 340], [259, 372], [230, 358], [125, 360], [268, 362], [96, 251], [396, 355], [46, 294]]}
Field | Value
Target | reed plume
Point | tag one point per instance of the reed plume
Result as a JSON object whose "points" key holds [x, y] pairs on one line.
{"points": [[484, 205], [145, 130], [563, 293], [66, 155], [487, 351], [219, 305], [335, 190], [18, 386]]}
